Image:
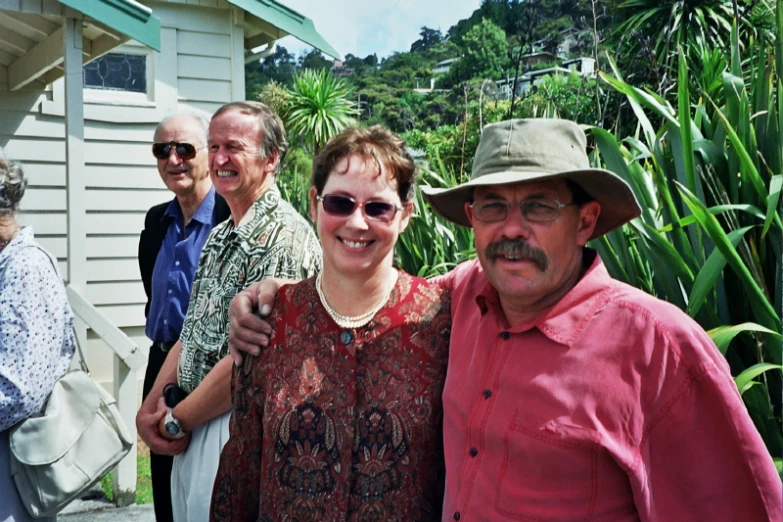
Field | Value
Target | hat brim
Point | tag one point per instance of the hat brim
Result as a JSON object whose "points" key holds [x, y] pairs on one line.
{"points": [[618, 203]]}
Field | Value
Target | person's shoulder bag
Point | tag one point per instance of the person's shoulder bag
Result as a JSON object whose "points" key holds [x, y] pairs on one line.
{"points": [[78, 437]]}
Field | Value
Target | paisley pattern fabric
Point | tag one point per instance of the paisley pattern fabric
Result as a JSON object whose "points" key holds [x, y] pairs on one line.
{"points": [[332, 424], [271, 240]]}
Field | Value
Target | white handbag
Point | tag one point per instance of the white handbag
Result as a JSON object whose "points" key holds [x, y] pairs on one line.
{"points": [[63, 451], [79, 438]]}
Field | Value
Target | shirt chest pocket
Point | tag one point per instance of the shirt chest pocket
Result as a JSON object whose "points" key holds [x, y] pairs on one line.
{"points": [[549, 472]]}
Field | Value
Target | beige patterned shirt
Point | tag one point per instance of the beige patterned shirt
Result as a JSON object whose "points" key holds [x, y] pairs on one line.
{"points": [[272, 240]]}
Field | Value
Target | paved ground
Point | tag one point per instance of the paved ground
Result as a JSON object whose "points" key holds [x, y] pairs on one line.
{"points": [[111, 514], [95, 507]]}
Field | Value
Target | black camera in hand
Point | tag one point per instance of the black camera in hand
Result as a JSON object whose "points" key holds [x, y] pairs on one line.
{"points": [[173, 394]]}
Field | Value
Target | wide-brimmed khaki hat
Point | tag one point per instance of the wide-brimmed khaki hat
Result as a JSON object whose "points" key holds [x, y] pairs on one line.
{"points": [[516, 151]]}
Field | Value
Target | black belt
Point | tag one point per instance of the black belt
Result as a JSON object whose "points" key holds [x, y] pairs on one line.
{"points": [[165, 346]]}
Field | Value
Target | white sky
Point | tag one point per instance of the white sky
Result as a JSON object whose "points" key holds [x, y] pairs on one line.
{"points": [[362, 27]]}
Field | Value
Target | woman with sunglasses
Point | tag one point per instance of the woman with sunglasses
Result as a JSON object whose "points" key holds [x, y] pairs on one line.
{"points": [[340, 418]]}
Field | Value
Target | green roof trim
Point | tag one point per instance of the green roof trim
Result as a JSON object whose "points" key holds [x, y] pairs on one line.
{"points": [[126, 16], [288, 20]]}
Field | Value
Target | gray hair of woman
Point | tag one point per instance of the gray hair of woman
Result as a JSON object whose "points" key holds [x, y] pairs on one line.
{"points": [[12, 184]]}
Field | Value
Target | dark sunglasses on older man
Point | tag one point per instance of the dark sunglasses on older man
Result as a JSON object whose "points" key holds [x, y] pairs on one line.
{"points": [[344, 206], [185, 151]]}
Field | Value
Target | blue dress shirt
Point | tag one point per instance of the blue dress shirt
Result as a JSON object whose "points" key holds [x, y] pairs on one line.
{"points": [[175, 266]]}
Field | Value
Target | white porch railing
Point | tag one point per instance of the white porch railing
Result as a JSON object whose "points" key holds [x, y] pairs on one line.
{"points": [[128, 359]]}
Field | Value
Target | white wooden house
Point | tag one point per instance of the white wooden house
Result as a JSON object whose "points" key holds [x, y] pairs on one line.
{"points": [[85, 146]]}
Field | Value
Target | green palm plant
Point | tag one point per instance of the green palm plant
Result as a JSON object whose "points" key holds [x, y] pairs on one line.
{"points": [[319, 106], [652, 29], [710, 238], [683, 22]]}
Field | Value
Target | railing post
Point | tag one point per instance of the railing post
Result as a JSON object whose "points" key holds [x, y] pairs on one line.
{"points": [[128, 359], [126, 393]]}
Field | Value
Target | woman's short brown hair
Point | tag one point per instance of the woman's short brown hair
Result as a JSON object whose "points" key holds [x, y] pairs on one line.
{"points": [[377, 144]]}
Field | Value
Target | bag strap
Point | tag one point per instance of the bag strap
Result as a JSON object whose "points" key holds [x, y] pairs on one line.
{"points": [[82, 360]]}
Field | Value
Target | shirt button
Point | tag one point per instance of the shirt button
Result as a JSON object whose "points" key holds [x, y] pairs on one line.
{"points": [[165, 321], [487, 394], [456, 515], [505, 336], [176, 263], [473, 452], [346, 337], [169, 292]]}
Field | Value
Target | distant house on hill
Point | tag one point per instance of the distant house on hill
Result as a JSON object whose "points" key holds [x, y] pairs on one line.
{"points": [[443, 66], [340, 70], [581, 66], [567, 42], [528, 61]]}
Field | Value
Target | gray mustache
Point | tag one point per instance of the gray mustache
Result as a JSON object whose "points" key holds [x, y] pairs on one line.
{"points": [[519, 248]]}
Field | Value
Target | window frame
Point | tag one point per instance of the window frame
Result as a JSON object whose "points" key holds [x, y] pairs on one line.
{"points": [[95, 96]]}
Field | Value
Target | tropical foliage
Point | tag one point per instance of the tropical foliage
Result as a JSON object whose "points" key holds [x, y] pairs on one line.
{"points": [[646, 34], [703, 151], [317, 108], [710, 239]]}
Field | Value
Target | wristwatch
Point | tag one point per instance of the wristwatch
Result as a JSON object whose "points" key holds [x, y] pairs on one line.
{"points": [[173, 427]]}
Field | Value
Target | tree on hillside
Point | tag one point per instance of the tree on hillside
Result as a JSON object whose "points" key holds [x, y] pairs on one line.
{"points": [[484, 50], [278, 67], [429, 37], [314, 60], [443, 50], [506, 14], [371, 60], [498, 12]]}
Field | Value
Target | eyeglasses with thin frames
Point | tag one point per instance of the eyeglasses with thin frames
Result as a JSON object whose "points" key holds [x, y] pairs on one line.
{"points": [[344, 206], [535, 210], [185, 151]]}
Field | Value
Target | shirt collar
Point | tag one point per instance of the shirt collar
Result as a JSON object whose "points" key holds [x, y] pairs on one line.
{"points": [[203, 214], [265, 205], [564, 322], [173, 211], [22, 239]]}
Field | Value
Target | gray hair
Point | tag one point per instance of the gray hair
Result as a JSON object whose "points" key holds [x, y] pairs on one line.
{"points": [[199, 117], [272, 130], [12, 184]]}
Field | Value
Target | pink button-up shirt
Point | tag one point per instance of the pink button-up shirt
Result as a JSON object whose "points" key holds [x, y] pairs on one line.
{"points": [[611, 406]]}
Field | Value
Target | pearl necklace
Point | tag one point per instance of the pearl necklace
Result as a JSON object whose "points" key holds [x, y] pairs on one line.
{"points": [[347, 321]]}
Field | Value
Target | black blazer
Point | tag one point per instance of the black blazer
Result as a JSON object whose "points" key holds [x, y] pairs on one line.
{"points": [[156, 223]]}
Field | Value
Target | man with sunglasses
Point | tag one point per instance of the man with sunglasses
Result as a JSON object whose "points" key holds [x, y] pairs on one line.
{"points": [[570, 395], [264, 237], [169, 248]]}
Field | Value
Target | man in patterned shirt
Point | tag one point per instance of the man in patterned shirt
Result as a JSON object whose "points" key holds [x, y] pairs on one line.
{"points": [[264, 237]]}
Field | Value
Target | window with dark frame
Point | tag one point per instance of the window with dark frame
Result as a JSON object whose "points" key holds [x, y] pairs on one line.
{"points": [[117, 72]]}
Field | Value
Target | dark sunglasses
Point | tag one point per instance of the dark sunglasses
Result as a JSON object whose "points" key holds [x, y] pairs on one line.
{"points": [[344, 206], [185, 151]]}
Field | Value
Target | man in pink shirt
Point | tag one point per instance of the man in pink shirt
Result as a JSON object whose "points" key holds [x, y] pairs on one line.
{"points": [[571, 396]]}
